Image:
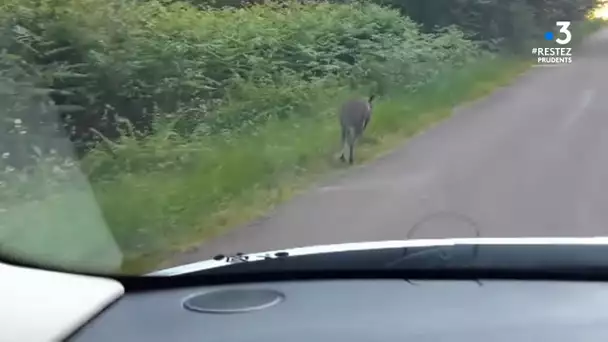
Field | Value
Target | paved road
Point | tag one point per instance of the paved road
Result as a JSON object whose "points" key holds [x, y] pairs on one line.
{"points": [[529, 160]]}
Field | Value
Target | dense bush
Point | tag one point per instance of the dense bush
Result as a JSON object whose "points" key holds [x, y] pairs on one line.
{"points": [[96, 66], [93, 69], [504, 24]]}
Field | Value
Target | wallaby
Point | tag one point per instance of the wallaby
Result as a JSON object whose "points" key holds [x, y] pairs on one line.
{"points": [[354, 117]]}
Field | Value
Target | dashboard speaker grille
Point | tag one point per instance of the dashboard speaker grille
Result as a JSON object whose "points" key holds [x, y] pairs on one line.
{"points": [[233, 301]]}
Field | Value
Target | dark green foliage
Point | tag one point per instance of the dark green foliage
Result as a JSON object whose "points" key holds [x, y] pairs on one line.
{"points": [[511, 23], [101, 68]]}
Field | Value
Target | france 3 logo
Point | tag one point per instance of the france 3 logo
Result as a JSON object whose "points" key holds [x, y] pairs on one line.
{"points": [[554, 56]]}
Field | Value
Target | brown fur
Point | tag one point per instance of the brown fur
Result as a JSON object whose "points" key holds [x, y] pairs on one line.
{"points": [[354, 118]]}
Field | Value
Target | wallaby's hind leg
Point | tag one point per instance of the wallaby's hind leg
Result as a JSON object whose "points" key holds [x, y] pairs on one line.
{"points": [[351, 139], [342, 158], [355, 134]]}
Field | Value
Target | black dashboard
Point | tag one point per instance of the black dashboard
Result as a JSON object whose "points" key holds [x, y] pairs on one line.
{"points": [[360, 310]]}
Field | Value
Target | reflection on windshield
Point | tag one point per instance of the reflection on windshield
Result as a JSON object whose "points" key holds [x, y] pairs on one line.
{"points": [[135, 135], [48, 212]]}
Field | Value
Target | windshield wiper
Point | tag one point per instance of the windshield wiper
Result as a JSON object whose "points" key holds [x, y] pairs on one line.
{"points": [[419, 256], [434, 258]]}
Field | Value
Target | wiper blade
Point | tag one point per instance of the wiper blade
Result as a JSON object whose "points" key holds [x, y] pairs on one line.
{"points": [[434, 258], [398, 257], [376, 259]]}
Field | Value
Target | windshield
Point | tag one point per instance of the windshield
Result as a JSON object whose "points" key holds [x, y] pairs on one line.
{"points": [[140, 135]]}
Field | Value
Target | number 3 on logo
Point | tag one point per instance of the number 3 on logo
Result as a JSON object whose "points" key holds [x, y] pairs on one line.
{"points": [[563, 28]]}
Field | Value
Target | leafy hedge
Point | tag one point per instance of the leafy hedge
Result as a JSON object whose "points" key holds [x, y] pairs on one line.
{"points": [[93, 69], [504, 24], [99, 67]]}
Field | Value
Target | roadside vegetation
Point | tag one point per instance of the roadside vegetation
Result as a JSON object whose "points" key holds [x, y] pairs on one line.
{"points": [[182, 119]]}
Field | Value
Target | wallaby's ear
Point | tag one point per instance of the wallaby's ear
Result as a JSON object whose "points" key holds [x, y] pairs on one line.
{"points": [[371, 98]]}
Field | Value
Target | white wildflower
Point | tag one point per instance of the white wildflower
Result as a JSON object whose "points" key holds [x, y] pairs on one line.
{"points": [[57, 169]]}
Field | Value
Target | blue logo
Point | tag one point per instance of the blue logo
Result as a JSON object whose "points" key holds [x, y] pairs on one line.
{"points": [[549, 35]]}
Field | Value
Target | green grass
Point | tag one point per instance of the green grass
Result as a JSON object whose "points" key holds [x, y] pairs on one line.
{"points": [[239, 180]]}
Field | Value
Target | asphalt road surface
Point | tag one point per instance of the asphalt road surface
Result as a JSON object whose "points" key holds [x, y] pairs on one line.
{"points": [[529, 160]]}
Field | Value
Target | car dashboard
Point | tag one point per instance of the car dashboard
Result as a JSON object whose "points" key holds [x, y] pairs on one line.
{"points": [[359, 310]]}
